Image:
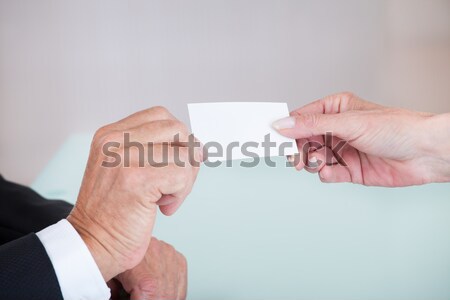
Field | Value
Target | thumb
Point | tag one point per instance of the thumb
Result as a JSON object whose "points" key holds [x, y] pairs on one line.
{"points": [[308, 125]]}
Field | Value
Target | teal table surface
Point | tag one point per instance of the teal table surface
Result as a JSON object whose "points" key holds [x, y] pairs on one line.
{"points": [[274, 233]]}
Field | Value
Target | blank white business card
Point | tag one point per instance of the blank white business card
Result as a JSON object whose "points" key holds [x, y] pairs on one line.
{"points": [[241, 129]]}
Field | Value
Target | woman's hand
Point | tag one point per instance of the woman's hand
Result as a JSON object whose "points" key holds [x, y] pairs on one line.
{"points": [[346, 139]]}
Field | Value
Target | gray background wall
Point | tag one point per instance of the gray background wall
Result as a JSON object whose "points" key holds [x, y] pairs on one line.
{"points": [[71, 66]]}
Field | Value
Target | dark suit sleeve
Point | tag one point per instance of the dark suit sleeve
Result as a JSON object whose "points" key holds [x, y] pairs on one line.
{"points": [[23, 211], [26, 271]]}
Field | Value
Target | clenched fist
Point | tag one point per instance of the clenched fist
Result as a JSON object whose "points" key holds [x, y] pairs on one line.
{"points": [[134, 166]]}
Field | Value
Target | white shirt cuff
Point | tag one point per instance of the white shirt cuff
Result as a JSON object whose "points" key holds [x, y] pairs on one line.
{"points": [[78, 275]]}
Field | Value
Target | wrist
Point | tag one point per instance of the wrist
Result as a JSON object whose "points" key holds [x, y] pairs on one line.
{"points": [[436, 147], [106, 262]]}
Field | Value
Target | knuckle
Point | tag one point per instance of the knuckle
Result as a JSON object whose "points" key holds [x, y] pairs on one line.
{"points": [[350, 101], [339, 102], [101, 133], [310, 120], [149, 286], [159, 111], [169, 247], [106, 135], [176, 127], [180, 127], [347, 95]]}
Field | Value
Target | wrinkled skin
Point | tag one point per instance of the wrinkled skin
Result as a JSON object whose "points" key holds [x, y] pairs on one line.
{"points": [[116, 207], [161, 275]]}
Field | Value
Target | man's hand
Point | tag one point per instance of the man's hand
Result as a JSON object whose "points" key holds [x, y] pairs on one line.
{"points": [[385, 146], [162, 275], [116, 207]]}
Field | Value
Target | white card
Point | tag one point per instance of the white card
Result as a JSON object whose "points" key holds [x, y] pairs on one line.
{"points": [[237, 126]]}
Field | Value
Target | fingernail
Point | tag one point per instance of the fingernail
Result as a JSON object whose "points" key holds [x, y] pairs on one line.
{"points": [[291, 159], [313, 162], [284, 123]]}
